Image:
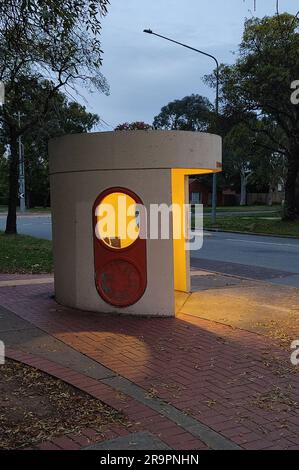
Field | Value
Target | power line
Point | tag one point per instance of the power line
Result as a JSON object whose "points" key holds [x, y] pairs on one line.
{"points": [[277, 6]]}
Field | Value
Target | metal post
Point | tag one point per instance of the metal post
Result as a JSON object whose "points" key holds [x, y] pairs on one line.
{"points": [[22, 189], [2, 93], [214, 190]]}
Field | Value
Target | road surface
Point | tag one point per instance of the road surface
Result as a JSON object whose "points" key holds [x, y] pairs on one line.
{"points": [[264, 258], [36, 226], [272, 259]]}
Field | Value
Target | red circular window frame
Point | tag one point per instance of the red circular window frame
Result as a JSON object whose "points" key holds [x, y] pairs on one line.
{"points": [[121, 254]]}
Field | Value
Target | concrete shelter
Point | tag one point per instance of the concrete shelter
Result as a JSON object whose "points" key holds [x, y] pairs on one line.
{"points": [[150, 167]]}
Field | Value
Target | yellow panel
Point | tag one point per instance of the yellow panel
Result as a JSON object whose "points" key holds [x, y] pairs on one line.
{"points": [[181, 265], [194, 171], [180, 195]]}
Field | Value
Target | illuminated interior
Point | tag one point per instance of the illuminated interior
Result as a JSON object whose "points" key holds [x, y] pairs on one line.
{"points": [[120, 228], [180, 195], [117, 220]]}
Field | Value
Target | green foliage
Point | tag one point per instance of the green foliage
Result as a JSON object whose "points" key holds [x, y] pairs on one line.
{"points": [[192, 113], [62, 117], [23, 254], [270, 172], [134, 126], [49, 43], [267, 64], [239, 150], [39, 39], [247, 150], [260, 82]]}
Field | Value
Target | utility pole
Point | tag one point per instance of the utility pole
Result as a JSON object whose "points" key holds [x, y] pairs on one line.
{"points": [[2, 93], [22, 189]]}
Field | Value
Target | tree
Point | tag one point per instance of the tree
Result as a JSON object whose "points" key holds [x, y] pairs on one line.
{"points": [[238, 156], [270, 173], [134, 126], [248, 154], [62, 117], [52, 40], [260, 82], [192, 113]]}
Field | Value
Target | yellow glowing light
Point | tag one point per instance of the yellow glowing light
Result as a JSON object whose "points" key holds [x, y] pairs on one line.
{"points": [[180, 195], [180, 260], [117, 220]]}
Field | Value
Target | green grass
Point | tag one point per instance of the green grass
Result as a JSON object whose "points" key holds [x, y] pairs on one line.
{"points": [[23, 254], [40, 209], [275, 208], [255, 225]]}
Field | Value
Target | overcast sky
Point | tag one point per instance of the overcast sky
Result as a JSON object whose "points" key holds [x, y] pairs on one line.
{"points": [[145, 72]]}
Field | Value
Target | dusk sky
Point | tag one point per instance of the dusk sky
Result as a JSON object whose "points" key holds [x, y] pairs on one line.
{"points": [[145, 72]]}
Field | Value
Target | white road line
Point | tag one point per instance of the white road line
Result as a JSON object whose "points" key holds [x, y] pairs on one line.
{"points": [[261, 243]]}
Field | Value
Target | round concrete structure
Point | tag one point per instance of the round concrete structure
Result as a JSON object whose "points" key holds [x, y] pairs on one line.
{"points": [[148, 163]]}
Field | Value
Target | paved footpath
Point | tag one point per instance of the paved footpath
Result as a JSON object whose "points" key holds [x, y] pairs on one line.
{"points": [[184, 383]]}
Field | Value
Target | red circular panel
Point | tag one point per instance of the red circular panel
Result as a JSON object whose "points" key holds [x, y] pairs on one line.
{"points": [[119, 283]]}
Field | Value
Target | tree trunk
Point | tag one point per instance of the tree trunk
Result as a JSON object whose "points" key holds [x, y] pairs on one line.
{"points": [[270, 197], [290, 211], [11, 222], [243, 198], [28, 199]]}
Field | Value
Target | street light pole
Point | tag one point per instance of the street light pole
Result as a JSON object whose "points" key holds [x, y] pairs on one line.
{"points": [[2, 93], [214, 191], [22, 190]]}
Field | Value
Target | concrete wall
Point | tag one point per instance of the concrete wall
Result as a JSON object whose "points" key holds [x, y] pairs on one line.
{"points": [[73, 195], [135, 150]]}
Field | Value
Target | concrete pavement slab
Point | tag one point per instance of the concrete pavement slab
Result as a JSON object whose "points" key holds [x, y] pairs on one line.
{"points": [[18, 333], [262, 308]]}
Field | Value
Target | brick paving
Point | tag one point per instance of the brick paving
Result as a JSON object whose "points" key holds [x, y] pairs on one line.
{"points": [[240, 384], [139, 416]]}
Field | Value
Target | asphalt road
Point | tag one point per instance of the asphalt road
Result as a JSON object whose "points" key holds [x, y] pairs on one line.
{"points": [[272, 259], [36, 226]]}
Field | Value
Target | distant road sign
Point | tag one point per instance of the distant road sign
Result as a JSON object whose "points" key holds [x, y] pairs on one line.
{"points": [[21, 196]]}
